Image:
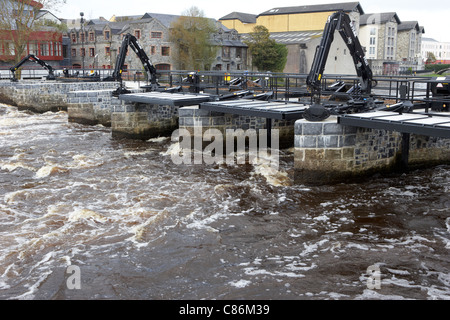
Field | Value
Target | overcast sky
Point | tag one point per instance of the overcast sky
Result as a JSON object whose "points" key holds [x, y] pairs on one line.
{"points": [[432, 14]]}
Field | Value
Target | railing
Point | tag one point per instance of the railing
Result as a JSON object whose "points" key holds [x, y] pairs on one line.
{"points": [[391, 89]]}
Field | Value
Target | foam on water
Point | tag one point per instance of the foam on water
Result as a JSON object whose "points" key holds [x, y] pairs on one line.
{"points": [[140, 226]]}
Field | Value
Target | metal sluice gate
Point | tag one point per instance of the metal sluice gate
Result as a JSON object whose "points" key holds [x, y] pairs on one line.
{"points": [[263, 109], [163, 98], [432, 125]]}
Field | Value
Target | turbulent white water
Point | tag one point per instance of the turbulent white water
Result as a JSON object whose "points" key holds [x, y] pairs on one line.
{"points": [[140, 227]]}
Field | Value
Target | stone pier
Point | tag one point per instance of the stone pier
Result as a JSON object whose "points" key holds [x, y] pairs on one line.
{"points": [[143, 121], [192, 117], [327, 152]]}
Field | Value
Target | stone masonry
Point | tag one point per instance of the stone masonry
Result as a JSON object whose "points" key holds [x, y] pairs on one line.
{"points": [[46, 96], [191, 117], [327, 152]]}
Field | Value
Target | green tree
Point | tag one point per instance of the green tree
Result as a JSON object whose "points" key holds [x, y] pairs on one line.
{"points": [[192, 34], [431, 58], [267, 55]]}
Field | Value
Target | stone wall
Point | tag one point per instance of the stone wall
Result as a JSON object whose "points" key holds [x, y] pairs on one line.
{"points": [[192, 117], [327, 152], [143, 121], [93, 107], [44, 96]]}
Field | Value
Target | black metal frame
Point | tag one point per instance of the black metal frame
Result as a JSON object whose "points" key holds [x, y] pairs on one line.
{"points": [[278, 110], [162, 98], [377, 122]]}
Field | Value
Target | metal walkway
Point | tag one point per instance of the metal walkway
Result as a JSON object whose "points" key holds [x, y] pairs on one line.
{"points": [[263, 109], [164, 98], [416, 123]]}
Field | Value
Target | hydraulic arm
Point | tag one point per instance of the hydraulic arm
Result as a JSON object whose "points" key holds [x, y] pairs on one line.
{"points": [[33, 58], [340, 22], [131, 41]]}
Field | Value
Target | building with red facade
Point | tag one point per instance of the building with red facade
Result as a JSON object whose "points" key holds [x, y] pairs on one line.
{"points": [[45, 41]]}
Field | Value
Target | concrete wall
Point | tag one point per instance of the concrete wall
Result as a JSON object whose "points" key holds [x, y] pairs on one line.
{"points": [[327, 152]]}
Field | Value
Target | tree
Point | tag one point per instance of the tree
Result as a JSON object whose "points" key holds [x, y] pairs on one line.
{"points": [[18, 22], [267, 55], [431, 58], [191, 34]]}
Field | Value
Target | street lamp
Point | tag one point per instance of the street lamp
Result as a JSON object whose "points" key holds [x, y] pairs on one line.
{"points": [[83, 53]]}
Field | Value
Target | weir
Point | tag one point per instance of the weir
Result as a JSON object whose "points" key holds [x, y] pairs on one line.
{"points": [[343, 146]]}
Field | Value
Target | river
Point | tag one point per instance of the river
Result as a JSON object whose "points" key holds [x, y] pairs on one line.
{"points": [[137, 226]]}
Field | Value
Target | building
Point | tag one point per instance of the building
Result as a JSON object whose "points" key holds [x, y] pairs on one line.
{"points": [[291, 19], [409, 44], [440, 51], [378, 34], [300, 29], [96, 44], [45, 40], [392, 47]]}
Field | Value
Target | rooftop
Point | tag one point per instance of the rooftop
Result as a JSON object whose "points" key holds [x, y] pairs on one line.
{"points": [[296, 37], [243, 17], [378, 18], [346, 7], [409, 25]]}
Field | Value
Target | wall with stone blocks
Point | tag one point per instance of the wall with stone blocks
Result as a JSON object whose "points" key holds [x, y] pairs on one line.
{"points": [[327, 152], [44, 96], [143, 121], [191, 117], [93, 107]]}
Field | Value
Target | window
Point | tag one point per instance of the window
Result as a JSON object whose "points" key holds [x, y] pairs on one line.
{"points": [[56, 49], [137, 34], [91, 37], [9, 48], [82, 37], [74, 52], [153, 50], [162, 67], [165, 51], [44, 49], [91, 52], [107, 51], [83, 52], [107, 35], [226, 52], [156, 35], [33, 47], [65, 52], [74, 38], [372, 41], [373, 31], [238, 53]]}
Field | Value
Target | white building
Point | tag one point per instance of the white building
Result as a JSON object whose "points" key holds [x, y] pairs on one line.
{"points": [[441, 50]]}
